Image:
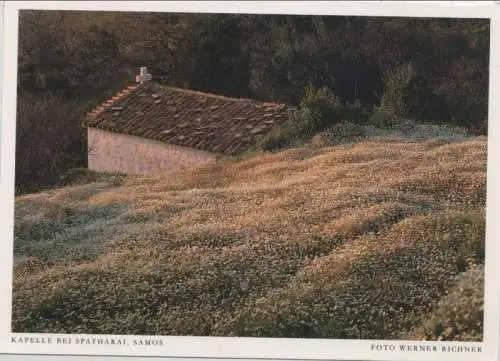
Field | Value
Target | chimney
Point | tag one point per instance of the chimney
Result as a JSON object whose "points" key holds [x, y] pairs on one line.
{"points": [[143, 75]]}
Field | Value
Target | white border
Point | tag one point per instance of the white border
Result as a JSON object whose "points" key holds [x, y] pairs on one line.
{"points": [[260, 348]]}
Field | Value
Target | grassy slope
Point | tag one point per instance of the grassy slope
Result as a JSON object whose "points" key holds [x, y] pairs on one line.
{"points": [[363, 241]]}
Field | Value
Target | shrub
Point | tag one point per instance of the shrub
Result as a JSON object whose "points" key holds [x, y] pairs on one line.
{"points": [[459, 315], [382, 118], [341, 133], [394, 103], [319, 109]]}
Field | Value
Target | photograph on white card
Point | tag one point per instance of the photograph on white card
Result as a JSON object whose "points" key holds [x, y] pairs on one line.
{"points": [[285, 181]]}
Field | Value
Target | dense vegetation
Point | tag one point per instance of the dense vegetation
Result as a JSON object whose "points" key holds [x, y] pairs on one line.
{"points": [[378, 239], [362, 69]]}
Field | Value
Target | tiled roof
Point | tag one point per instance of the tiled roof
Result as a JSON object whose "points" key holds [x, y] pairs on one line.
{"points": [[187, 118]]}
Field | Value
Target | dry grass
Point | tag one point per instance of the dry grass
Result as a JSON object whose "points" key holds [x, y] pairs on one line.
{"points": [[354, 241]]}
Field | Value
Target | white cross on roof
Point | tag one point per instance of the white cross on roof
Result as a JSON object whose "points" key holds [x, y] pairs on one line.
{"points": [[143, 75]]}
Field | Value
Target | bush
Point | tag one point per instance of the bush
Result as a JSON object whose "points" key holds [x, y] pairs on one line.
{"points": [[382, 118], [460, 314], [340, 133], [319, 110], [394, 102], [327, 109]]}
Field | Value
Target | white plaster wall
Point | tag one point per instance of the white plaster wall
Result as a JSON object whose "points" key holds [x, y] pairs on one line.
{"points": [[110, 151]]}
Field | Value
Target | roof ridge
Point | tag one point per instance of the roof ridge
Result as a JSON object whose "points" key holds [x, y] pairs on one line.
{"points": [[128, 89], [216, 96]]}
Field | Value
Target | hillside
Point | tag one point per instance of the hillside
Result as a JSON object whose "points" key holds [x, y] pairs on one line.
{"points": [[374, 68], [380, 239]]}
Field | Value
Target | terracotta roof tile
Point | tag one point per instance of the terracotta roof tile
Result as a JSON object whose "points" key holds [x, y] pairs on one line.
{"points": [[188, 118]]}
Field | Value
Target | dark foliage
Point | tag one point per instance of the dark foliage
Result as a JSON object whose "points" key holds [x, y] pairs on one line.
{"points": [[70, 61]]}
